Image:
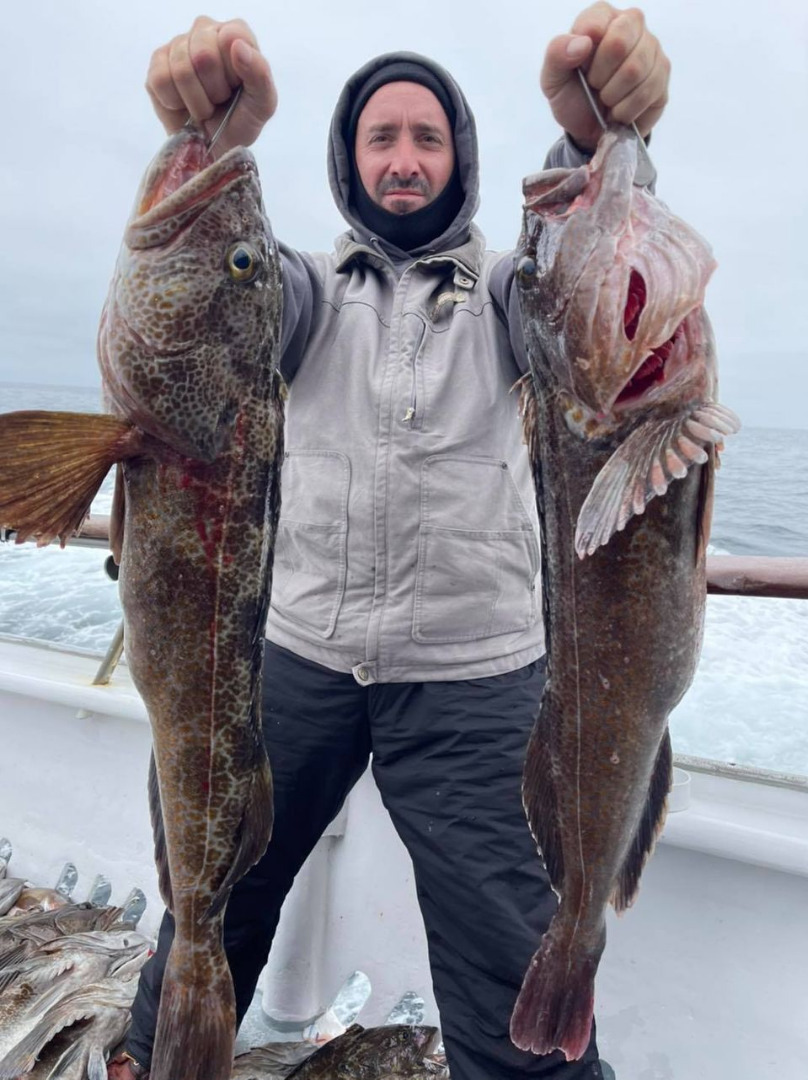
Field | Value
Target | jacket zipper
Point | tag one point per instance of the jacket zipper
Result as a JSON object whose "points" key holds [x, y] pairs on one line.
{"points": [[409, 416]]}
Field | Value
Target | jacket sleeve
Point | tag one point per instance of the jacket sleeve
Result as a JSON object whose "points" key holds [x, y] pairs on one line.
{"points": [[563, 154], [301, 290]]}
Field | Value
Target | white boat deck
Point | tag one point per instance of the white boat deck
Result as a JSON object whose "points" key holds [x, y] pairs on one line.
{"points": [[704, 978]]}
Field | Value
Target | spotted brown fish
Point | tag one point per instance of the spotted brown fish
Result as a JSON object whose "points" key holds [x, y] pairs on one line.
{"points": [[188, 349]]}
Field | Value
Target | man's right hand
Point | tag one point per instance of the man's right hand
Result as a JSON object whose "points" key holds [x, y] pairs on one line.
{"points": [[197, 73]]}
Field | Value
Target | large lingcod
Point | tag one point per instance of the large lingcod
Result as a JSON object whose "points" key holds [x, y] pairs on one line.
{"points": [[623, 431], [188, 348]]}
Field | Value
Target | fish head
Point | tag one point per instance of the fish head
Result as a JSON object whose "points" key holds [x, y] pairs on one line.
{"points": [[611, 288], [394, 1046], [190, 326]]}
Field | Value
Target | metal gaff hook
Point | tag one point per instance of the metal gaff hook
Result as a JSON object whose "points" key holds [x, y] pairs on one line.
{"points": [[646, 173], [190, 122]]}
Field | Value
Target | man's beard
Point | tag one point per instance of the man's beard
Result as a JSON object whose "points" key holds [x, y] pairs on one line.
{"points": [[410, 229], [403, 206]]}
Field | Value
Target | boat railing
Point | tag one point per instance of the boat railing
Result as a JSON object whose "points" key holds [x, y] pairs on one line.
{"points": [[727, 575]]}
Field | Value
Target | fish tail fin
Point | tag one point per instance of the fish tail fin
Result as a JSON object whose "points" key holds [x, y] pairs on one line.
{"points": [[556, 1004], [51, 466], [651, 822], [196, 1024]]}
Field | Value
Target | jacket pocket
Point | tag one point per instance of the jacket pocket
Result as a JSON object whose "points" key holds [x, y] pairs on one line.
{"points": [[310, 548], [478, 556]]}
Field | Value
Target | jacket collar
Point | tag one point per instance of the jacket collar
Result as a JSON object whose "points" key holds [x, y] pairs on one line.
{"points": [[467, 257]]}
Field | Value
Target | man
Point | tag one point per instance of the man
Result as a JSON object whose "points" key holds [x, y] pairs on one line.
{"points": [[405, 617]]}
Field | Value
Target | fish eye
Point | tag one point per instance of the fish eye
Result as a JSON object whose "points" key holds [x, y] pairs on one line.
{"points": [[242, 262]]}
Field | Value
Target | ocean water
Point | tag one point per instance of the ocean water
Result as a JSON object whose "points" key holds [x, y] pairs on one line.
{"points": [[749, 702]]}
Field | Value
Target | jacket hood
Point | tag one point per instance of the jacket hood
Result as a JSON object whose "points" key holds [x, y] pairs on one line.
{"points": [[465, 140]]}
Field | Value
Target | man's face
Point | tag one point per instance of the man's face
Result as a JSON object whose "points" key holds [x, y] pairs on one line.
{"points": [[404, 147]]}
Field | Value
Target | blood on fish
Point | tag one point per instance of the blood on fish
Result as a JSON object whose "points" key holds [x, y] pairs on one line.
{"points": [[634, 304], [651, 371]]}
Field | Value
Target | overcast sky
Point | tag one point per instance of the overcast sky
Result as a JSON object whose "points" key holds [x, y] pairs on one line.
{"points": [[731, 152]]}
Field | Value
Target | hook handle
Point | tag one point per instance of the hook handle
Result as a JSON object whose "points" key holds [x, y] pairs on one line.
{"points": [[646, 173]]}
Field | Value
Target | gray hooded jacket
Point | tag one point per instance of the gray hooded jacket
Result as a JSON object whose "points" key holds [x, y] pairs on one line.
{"points": [[407, 548]]}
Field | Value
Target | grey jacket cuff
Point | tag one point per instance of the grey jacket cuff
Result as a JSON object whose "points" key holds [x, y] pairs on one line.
{"points": [[566, 154]]}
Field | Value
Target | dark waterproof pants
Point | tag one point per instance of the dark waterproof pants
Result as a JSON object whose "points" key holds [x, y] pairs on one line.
{"points": [[447, 758]]}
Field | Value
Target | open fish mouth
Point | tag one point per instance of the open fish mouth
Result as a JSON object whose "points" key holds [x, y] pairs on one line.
{"points": [[186, 159], [181, 183]]}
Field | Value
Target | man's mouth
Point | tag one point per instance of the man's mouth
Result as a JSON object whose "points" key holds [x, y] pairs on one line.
{"points": [[404, 193], [412, 189]]}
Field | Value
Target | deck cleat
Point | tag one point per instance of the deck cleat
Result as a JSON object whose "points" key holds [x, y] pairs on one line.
{"points": [[67, 880], [351, 998], [134, 906], [100, 891], [5, 855], [408, 1010]]}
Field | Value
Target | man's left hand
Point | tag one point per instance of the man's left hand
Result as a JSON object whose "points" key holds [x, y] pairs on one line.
{"points": [[623, 62]]}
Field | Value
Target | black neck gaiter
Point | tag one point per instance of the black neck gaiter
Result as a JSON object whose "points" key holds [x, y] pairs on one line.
{"points": [[413, 230]]}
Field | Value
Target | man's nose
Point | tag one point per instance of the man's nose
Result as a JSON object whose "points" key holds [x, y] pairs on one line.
{"points": [[404, 162]]}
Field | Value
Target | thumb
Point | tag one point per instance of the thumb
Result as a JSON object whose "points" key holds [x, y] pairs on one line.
{"points": [[564, 54]]}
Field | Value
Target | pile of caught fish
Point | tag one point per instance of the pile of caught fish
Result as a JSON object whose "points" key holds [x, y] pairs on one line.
{"points": [[68, 975]]}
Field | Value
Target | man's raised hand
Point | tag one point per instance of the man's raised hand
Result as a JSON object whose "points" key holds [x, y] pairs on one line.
{"points": [[623, 62], [197, 73]]}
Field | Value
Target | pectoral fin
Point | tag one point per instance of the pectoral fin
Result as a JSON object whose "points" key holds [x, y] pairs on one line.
{"points": [[51, 466], [651, 458]]}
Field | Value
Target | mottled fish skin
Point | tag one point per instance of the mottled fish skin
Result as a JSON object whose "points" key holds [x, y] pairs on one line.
{"points": [[188, 346], [624, 602], [391, 1050], [275, 1061]]}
